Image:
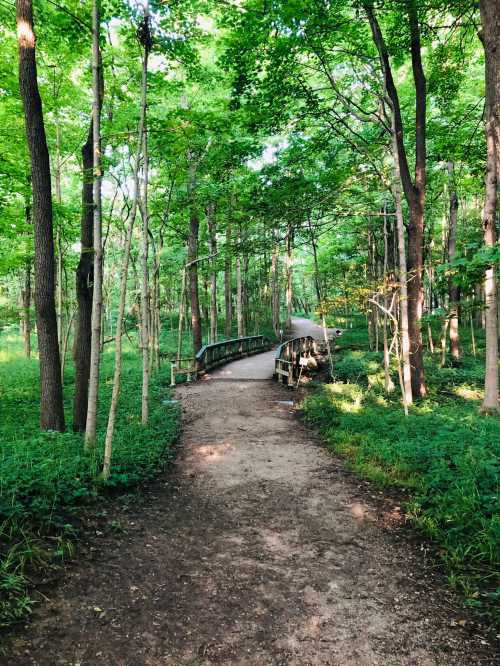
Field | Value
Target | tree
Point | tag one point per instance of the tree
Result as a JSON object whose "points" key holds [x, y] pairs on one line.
{"points": [[490, 19], [414, 190], [51, 397], [95, 346]]}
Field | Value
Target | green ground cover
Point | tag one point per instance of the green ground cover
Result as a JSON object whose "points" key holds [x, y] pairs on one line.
{"points": [[46, 479], [445, 454]]}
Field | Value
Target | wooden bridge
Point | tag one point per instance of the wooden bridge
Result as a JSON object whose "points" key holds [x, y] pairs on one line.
{"points": [[218, 353], [291, 359]]}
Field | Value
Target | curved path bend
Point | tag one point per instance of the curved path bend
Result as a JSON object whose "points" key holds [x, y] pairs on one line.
{"points": [[257, 549]]}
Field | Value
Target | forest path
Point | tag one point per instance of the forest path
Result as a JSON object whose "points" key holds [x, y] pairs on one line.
{"points": [[257, 548]]}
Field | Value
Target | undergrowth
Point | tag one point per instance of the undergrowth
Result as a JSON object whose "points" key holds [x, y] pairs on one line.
{"points": [[445, 454], [46, 479]]}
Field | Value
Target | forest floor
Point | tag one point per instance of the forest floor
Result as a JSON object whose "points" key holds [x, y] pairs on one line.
{"points": [[257, 547]]}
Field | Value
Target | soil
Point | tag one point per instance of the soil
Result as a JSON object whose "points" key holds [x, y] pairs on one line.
{"points": [[256, 548]]}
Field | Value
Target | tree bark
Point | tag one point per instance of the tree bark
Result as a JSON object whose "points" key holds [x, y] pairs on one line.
{"points": [[403, 283], [95, 346], [414, 190], [194, 228], [212, 230], [145, 304], [240, 316], [453, 290], [26, 302], [228, 295], [51, 398], [289, 278], [490, 19], [275, 286], [108, 443], [84, 281]]}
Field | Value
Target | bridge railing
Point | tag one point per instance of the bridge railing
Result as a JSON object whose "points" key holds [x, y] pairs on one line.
{"points": [[288, 357], [210, 356]]}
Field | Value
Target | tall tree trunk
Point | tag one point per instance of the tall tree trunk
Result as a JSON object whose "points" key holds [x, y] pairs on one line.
{"points": [[240, 315], [490, 19], [212, 230], [84, 281], [289, 278], [275, 287], [414, 190], [60, 259], [95, 346], [403, 282], [453, 290], [51, 398], [108, 443], [389, 384], [228, 296], [26, 302], [194, 228], [145, 304]]}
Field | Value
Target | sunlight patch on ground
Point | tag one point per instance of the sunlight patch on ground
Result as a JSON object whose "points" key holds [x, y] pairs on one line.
{"points": [[468, 393]]}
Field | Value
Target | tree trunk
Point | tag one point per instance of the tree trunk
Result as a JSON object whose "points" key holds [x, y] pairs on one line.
{"points": [[194, 228], [212, 230], [26, 304], [490, 19], [389, 384], [108, 443], [289, 278], [95, 346], [275, 286], [414, 190], [240, 318], [403, 283], [453, 290], [84, 281], [228, 296], [51, 398], [145, 305]]}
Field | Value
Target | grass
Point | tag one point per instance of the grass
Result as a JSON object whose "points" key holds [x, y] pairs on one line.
{"points": [[445, 454], [46, 479]]}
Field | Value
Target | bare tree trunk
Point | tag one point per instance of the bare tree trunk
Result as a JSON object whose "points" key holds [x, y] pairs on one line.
{"points": [[389, 384], [240, 318], [95, 346], [108, 444], [403, 282], [194, 226], [275, 287], [212, 229], [51, 398], [145, 309], [453, 290], [490, 19], [228, 296], [84, 281], [289, 277], [414, 190], [26, 301]]}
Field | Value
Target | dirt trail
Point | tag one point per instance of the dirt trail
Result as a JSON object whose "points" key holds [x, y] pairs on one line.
{"points": [[257, 549]]}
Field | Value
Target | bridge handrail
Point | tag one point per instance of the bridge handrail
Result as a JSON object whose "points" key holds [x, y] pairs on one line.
{"points": [[288, 354], [217, 353]]}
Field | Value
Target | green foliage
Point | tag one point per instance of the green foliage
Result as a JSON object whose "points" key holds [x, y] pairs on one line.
{"points": [[445, 454], [46, 479]]}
